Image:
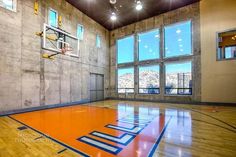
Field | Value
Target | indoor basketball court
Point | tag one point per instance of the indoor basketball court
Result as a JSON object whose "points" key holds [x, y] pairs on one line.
{"points": [[128, 78]]}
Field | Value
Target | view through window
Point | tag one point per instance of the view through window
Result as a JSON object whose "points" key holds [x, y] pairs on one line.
{"points": [[167, 61], [126, 80], [149, 43], [149, 82], [178, 39], [8, 4], [53, 18], [125, 50], [178, 78]]}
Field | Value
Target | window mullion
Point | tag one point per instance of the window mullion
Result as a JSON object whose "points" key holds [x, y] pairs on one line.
{"points": [[162, 70], [136, 63]]}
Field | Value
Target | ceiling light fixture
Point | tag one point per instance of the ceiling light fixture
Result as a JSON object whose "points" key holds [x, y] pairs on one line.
{"points": [[113, 1], [113, 16], [139, 6]]}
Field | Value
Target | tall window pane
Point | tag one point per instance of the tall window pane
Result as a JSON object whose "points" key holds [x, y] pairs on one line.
{"points": [[178, 78], [125, 50], [126, 80], [98, 41], [52, 18], [178, 39], [230, 52], [80, 32], [149, 45], [149, 79], [8, 4]]}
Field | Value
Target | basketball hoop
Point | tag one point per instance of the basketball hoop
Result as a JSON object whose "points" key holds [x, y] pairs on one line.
{"points": [[66, 49]]}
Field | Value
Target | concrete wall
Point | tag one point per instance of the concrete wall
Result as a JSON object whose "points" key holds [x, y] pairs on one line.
{"points": [[26, 79], [218, 77], [190, 12]]}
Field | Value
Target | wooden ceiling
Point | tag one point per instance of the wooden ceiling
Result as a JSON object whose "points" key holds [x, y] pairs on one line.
{"points": [[100, 10]]}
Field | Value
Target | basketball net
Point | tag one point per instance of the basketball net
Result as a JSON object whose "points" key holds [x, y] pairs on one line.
{"points": [[66, 49]]}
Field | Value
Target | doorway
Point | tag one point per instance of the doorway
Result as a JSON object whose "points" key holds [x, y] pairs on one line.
{"points": [[96, 87]]}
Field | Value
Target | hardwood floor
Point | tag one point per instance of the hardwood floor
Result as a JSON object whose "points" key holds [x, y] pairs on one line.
{"points": [[192, 131]]}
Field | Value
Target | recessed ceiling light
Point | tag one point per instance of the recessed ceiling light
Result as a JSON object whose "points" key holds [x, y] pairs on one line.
{"points": [[113, 1], [139, 6], [178, 31], [179, 39], [113, 16]]}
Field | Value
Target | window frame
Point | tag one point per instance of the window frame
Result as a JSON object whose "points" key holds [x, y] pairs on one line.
{"points": [[161, 61], [178, 62], [51, 9], [100, 41], [117, 49], [150, 65], [14, 6], [217, 45], [82, 38], [117, 80], [147, 31], [164, 43]]}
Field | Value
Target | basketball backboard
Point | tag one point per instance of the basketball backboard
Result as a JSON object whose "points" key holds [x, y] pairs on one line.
{"points": [[57, 40]]}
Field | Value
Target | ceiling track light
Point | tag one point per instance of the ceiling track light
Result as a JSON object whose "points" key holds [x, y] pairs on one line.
{"points": [[139, 5]]}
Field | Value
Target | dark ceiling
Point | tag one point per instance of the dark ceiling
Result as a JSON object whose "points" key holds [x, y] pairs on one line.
{"points": [[100, 10]]}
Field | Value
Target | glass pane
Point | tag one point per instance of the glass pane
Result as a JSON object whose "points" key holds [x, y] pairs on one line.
{"points": [[53, 18], [230, 52], [126, 80], [149, 45], [125, 50], [178, 39], [149, 79], [98, 41], [80, 32], [179, 78], [227, 45], [8, 4]]}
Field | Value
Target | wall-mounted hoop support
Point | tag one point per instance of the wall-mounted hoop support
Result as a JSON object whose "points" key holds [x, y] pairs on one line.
{"points": [[57, 41]]}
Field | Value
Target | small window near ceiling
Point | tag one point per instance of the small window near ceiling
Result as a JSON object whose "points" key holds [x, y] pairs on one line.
{"points": [[80, 32], [125, 50], [8, 4], [149, 79], [149, 45], [126, 80], [226, 45], [178, 78], [178, 39], [98, 41], [52, 20]]}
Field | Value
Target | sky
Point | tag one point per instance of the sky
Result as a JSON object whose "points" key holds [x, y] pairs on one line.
{"points": [[177, 42]]}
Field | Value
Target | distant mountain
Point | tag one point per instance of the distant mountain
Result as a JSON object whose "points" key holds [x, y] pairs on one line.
{"points": [[151, 78]]}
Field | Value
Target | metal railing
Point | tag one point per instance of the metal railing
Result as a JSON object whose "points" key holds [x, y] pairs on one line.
{"points": [[179, 91], [149, 90]]}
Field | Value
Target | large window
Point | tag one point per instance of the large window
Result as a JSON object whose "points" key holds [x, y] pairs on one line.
{"points": [[178, 78], [157, 66], [52, 18], [125, 50], [149, 79], [8, 4], [126, 80], [149, 45], [178, 39]]}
